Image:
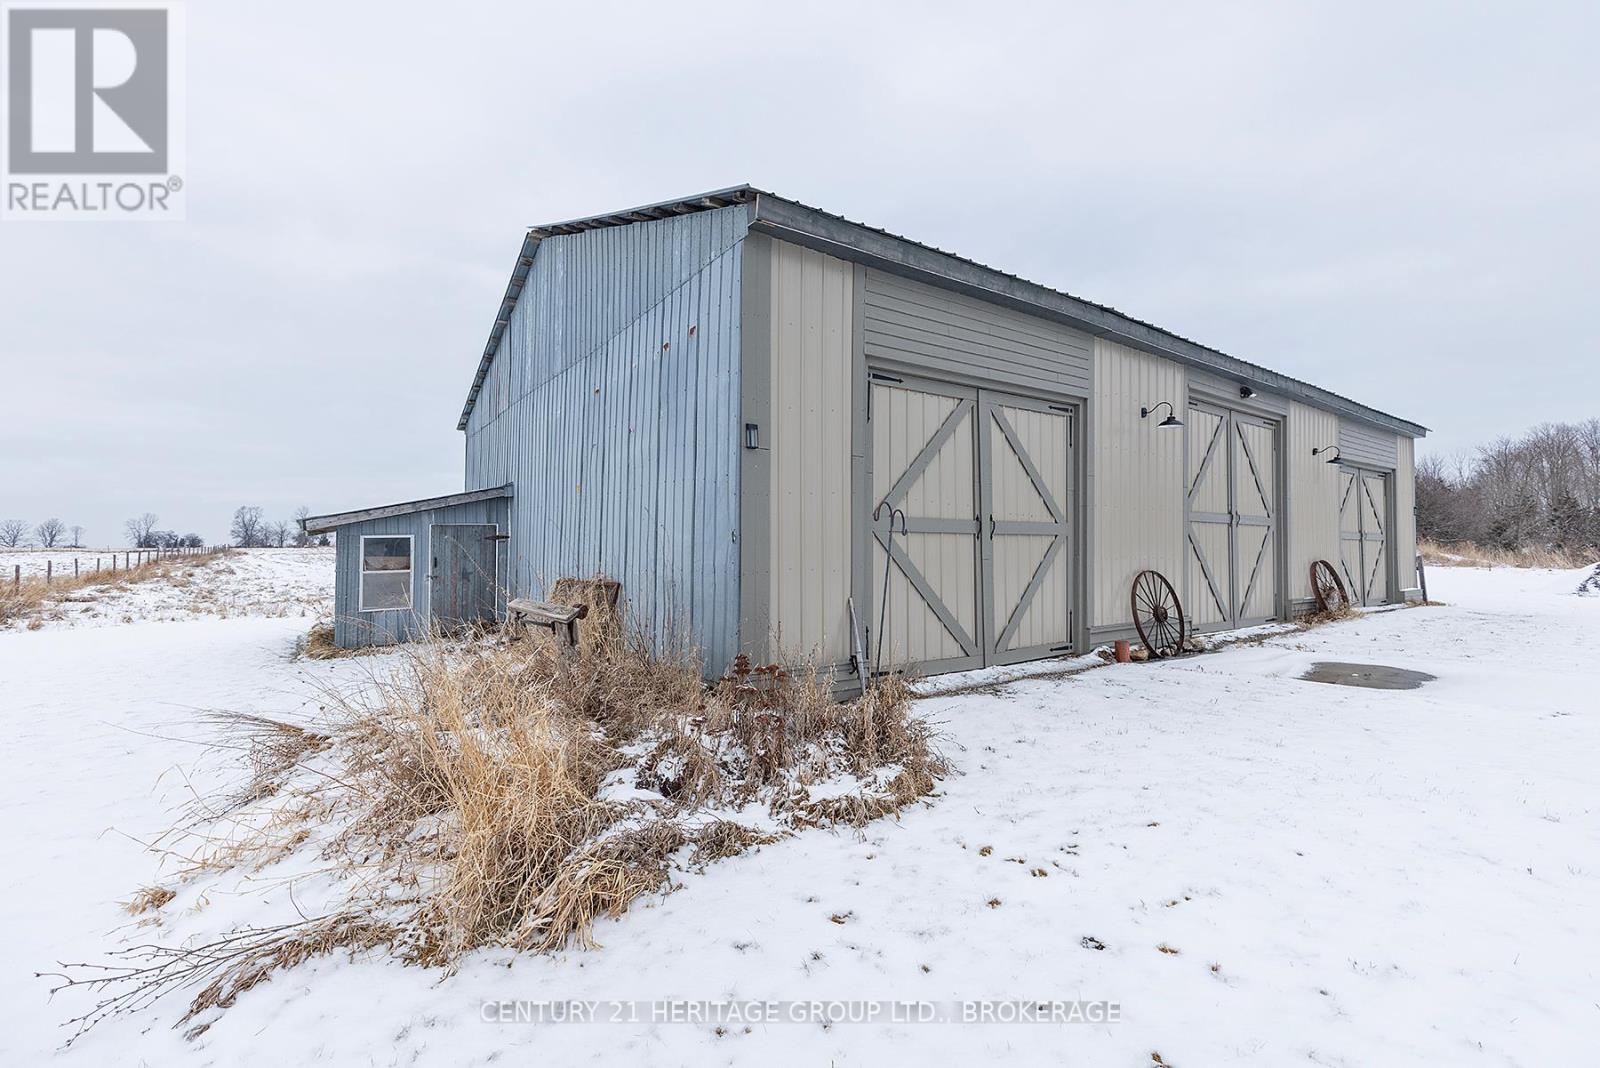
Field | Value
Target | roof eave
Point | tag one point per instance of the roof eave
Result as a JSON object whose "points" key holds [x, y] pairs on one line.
{"points": [[322, 524], [792, 221]]}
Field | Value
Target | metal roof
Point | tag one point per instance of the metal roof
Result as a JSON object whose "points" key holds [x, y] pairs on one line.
{"points": [[321, 524], [794, 221]]}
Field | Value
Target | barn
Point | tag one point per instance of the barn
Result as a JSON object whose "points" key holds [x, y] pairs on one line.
{"points": [[793, 435]]}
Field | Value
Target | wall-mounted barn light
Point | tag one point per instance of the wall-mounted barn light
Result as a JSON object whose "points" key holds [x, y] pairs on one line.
{"points": [[1328, 448], [1172, 414], [752, 436], [1246, 392]]}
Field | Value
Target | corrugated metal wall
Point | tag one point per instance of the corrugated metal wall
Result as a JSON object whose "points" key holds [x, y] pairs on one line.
{"points": [[1136, 478], [352, 627], [1405, 512], [613, 406], [1313, 495], [809, 438], [954, 336], [1364, 444]]}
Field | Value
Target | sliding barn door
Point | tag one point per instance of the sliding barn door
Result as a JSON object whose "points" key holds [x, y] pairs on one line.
{"points": [[1231, 575], [1025, 459], [1375, 537], [1208, 591], [1364, 534], [1255, 511], [924, 467]]}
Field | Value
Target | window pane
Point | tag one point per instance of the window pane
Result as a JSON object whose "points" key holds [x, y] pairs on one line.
{"points": [[385, 590], [386, 554]]}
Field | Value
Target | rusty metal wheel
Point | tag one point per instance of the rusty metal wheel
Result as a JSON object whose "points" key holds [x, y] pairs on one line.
{"points": [[1328, 588], [1157, 613]]}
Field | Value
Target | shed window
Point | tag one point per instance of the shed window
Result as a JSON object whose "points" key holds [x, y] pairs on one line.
{"points": [[385, 572]]}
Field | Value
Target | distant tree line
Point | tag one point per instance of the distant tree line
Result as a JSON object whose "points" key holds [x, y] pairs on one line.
{"points": [[252, 530], [1541, 490], [50, 534]]}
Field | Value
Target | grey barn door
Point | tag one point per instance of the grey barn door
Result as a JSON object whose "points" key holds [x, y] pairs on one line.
{"points": [[924, 464], [1231, 572], [1363, 534], [461, 574], [1025, 465], [981, 571]]}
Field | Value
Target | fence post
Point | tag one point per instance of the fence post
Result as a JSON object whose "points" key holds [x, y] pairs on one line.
{"points": [[47, 566], [74, 567], [16, 577]]}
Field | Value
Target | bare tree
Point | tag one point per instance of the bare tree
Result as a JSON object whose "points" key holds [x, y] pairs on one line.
{"points": [[77, 536], [13, 532], [192, 541], [1540, 490], [301, 538], [276, 534], [49, 532], [247, 530], [138, 529]]}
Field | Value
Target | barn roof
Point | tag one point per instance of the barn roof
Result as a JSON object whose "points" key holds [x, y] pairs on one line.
{"points": [[834, 234], [321, 524]]}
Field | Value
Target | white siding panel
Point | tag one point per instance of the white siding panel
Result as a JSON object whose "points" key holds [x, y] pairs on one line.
{"points": [[1313, 496], [949, 335], [1363, 444], [811, 397], [1405, 512], [1136, 479]]}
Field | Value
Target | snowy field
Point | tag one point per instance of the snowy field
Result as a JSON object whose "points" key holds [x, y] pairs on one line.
{"points": [[1256, 869], [33, 561], [244, 583]]}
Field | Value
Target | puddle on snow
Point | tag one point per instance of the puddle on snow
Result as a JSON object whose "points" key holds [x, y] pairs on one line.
{"points": [[1369, 676]]}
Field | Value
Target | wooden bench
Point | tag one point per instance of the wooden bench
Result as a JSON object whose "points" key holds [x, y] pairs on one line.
{"points": [[562, 619]]}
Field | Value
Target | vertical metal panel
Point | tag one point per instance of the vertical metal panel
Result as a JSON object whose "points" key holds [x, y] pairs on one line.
{"points": [[811, 404], [1137, 481], [947, 334], [1314, 497], [353, 628], [1405, 513], [621, 428], [1367, 445]]}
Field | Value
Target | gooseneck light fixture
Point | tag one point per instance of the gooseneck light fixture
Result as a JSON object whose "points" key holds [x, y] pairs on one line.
{"points": [[1328, 448], [1172, 414]]}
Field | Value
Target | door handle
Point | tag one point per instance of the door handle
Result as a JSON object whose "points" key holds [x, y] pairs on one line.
{"points": [[991, 525]]}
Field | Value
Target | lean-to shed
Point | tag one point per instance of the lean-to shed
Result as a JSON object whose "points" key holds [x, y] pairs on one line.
{"points": [[750, 412]]}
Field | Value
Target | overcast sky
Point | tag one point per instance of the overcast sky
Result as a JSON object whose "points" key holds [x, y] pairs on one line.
{"points": [[1397, 202]]}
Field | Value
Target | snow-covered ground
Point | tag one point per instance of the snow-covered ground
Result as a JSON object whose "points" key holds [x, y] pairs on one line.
{"points": [[1278, 871], [242, 583], [34, 561]]}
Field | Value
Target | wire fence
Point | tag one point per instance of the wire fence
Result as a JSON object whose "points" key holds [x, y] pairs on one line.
{"points": [[113, 564]]}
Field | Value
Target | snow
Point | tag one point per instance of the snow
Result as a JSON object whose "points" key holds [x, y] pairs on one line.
{"points": [[241, 583], [1349, 876]]}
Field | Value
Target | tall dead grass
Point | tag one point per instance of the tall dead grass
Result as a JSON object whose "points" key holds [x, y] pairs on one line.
{"points": [[513, 794], [1468, 554], [33, 598]]}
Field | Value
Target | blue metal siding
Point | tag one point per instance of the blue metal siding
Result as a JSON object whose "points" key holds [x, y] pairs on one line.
{"points": [[612, 404], [352, 627]]}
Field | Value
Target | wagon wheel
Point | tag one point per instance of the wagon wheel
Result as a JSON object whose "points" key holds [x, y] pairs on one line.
{"points": [[1328, 587], [1157, 613]]}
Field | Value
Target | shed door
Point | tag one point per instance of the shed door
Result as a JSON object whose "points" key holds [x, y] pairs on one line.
{"points": [[1375, 537], [924, 463], [1232, 568], [461, 575], [1025, 457], [1363, 534]]}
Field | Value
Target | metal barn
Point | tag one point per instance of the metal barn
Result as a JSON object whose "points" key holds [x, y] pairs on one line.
{"points": [[790, 434]]}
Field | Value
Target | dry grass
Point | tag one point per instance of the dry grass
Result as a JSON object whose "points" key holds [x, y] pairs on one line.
{"points": [[466, 795], [33, 598], [1466, 554]]}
